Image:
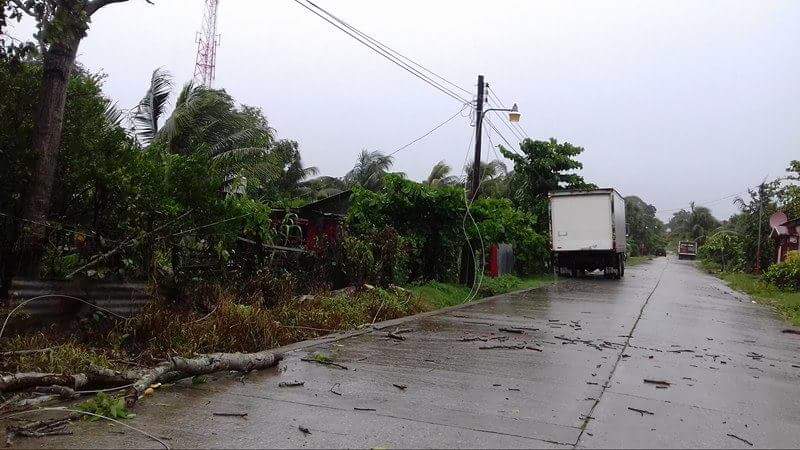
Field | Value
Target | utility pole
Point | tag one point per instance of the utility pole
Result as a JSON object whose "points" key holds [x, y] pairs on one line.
{"points": [[476, 166], [757, 268]]}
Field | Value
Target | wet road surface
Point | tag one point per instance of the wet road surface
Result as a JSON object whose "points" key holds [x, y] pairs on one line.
{"points": [[570, 373]]}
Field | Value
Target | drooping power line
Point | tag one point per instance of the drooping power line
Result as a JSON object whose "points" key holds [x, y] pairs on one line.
{"points": [[414, 141], [386, 54], [387, 48]]}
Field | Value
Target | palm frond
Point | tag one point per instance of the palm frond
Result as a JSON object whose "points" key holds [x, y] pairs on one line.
{"points": [[152, 107]]}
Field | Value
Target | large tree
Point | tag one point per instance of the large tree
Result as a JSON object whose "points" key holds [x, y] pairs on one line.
{"points": [[645, 231], [62, 24], [238, 140], [541, 167], [369, 171], [696, 223]]}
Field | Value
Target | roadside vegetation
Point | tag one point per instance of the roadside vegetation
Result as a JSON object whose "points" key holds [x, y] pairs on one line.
{"points": [[638, 260], [730, 249], [442, 295]]}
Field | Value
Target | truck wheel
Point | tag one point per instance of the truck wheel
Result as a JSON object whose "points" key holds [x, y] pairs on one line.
{"points": [[621, 267]]}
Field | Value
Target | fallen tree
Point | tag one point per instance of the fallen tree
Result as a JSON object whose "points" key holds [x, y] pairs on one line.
{"points": [[139, 380]]}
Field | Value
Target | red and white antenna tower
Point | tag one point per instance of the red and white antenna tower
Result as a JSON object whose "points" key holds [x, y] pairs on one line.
{"points": [[205, 66]]}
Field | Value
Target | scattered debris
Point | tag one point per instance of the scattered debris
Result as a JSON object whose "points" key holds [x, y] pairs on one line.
{"points": [[324, 360], [305, 430], [510, 330], [395, 336], [473, 338], [502, 347], [291, 383], [363, 409], [402, 387], [230, 414], [513, 389], [641, 411], [741, 439], [755, 356], [40, 428], [683, 350], [790, 331], [658, 382], [333, 391]]}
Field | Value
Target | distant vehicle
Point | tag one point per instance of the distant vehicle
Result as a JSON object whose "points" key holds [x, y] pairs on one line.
{"points": [[687, 250], [588, 232]]}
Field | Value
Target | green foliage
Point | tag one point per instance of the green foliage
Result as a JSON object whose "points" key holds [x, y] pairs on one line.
{"points": [[369, 171], [786, 274], [107, 406], [787, 303], [428, 218], [695, 224], [499, 285], [542, 167], [442, 295], [429, 222], [646, 233], [724, 249], [499, 222]]}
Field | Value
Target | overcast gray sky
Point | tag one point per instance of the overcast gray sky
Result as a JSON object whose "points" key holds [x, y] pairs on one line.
{"points": [[674, 101]]}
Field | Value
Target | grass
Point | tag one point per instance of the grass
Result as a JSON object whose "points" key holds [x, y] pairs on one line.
{"points": [[442, 295], [787, 303], [636, 260], [164, 329]]}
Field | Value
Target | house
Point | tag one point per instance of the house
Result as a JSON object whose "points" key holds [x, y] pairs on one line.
{"points": [[324, 218], [785, 233]]}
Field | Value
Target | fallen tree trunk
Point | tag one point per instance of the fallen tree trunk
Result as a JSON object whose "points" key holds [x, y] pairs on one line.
{"points": [[139, 380], [202, 365], [94, 376]]}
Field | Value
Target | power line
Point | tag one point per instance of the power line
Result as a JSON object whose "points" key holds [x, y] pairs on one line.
{"points": [[458, 113], [516, 133], [387, 55], [708, 203], [491, 143], [510, 145], [386, 47]]}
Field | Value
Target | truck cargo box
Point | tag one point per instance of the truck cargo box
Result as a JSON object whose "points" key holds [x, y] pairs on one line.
{"points": [[588, 231]]}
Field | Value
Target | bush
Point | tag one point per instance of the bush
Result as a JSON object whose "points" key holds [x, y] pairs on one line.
{"points": [[723, 250], [499, 285], [415, 231], [785, 275]]}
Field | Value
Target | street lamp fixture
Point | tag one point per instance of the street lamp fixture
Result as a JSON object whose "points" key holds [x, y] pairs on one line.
{"points": [[514, 115]]}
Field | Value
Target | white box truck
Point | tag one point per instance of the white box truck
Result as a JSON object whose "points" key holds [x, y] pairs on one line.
{"points": [[588, 232]]}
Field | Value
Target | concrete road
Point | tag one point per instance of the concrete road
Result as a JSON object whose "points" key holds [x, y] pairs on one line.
{"points": [[571, 376]]}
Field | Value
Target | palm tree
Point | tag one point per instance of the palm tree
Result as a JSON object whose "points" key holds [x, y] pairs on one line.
{"points": [[322, 187], [206, 120], [440, 175], [369, 170], [493, 177], [292, 172]]}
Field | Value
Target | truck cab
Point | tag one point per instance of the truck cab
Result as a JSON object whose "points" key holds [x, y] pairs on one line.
{"points": [[687, 250]]}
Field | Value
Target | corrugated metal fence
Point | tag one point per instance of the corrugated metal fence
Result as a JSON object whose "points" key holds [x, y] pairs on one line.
{"points": [[124, 299]]}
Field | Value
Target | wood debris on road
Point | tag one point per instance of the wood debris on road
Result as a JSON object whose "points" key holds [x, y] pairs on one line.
{"points": [[641, 411]]}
